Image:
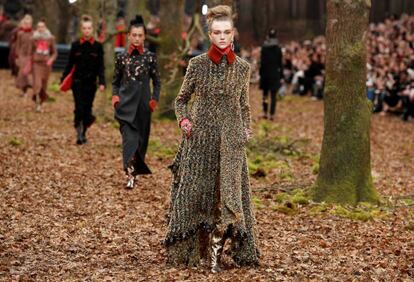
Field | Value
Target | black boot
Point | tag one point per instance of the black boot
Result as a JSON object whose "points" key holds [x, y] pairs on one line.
{"points": [[83, 136], [265, 109], [79, 134], [405, 115]]}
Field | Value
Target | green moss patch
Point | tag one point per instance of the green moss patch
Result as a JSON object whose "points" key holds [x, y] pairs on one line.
{"points": [[287, 208], [15, 142], [160, 150], [257, 202], [291, 202]]}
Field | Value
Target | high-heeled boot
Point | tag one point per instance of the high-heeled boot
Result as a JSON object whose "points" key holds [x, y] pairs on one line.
{"points": [[217, 245], [130, 177]]}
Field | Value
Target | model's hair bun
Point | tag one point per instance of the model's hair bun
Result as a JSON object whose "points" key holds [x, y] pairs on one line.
{"points": [[220, 13], [138, 20], [86, 18]]}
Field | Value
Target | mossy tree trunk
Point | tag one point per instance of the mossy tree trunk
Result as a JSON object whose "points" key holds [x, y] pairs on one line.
{"points": [[345, 163], [171, 13]]}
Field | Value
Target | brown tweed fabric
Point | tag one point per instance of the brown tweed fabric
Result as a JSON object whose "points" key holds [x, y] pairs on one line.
{"points": [[210, 177]]}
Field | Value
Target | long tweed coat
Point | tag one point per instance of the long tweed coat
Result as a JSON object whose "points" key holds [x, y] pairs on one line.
{"points": [[210, 177], [23, 54]]}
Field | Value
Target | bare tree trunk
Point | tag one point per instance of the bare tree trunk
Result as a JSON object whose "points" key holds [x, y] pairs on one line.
{"points": [[213, 3], [345, 164], [137, 7], [109, 10], [171, 13]]}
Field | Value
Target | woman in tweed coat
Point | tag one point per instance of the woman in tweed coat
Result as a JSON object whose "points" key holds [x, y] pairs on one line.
{"points": [[210, 196], [23, 51]]}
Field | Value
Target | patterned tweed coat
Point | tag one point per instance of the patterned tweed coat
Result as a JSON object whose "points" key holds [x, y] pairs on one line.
{"points": [[210, 177]]}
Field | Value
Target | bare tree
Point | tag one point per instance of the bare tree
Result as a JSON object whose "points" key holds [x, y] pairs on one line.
{"points": [[345, 164], [171, 13]]}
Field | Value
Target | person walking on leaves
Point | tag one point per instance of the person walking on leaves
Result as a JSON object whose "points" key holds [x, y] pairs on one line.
{"points": [[23, 49], [271, 73], [133, 101], [44, 54], [86, 60], [210, 194]]}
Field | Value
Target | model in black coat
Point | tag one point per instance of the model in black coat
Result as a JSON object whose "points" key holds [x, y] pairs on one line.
{"points": [[271, 69], [134, 102], [87, 56]]}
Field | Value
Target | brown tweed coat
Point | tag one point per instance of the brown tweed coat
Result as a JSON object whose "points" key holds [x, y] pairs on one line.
{"points": [[24, 55], [210, 177]]}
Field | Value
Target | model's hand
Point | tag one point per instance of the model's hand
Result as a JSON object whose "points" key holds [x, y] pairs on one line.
{"points": [[186, 125], [249, 133], [115, 101], [152, 105], [27, 69], [102, 88], [49, 62]]}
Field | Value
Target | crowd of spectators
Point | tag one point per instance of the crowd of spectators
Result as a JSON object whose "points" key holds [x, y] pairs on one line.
{"points": [[390, 66]]}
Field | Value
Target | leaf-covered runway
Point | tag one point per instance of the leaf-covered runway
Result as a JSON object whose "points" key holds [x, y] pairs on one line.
{"points": [[65, 216]]}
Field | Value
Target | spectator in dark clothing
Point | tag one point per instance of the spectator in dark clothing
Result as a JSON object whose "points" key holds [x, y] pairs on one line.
{"points": [[315, 77], [271, 72], [195, 49]]}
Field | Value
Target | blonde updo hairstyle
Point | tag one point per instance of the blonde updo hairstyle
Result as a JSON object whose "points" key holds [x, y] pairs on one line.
{"points": [[219, 13], [27, 19], [86, 19]]}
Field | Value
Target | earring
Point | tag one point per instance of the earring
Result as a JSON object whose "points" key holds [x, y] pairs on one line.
{"points": [[232, 46]]}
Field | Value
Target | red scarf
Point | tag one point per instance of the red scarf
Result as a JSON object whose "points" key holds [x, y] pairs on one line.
{"points": [[215, 54], [91, 40], [26, 29], [139, 48]]}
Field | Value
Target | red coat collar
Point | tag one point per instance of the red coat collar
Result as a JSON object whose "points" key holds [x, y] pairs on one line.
{"points": [[139, 48], [91, 40], [26, 29], [215, 54]]}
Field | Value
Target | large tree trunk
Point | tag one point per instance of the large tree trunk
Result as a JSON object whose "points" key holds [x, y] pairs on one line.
{"points": [[213, 3], [345, 163], [171, 13], [137, 7], [109, 11]]}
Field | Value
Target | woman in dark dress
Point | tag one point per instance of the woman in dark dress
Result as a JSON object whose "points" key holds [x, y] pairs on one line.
{"points": [[133, 100]]}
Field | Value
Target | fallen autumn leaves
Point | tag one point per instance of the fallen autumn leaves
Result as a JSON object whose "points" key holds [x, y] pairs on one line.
{"points": [[64, 215]]}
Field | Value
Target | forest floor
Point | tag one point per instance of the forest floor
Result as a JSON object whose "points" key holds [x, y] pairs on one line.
{"points": [[65, 216]]}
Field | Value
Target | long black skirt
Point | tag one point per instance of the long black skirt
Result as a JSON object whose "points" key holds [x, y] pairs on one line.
{"points": [[135, 143]]}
